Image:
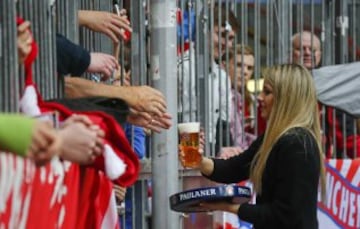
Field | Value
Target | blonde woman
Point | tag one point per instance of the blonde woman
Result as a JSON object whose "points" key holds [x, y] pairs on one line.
{"points": [[286, 163]]}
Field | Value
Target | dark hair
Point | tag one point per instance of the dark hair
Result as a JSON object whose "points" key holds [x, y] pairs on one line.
{"points": [[220, 12]]}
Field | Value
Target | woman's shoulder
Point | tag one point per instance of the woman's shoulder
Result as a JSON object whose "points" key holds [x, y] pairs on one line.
{"points": [[297, 136]]}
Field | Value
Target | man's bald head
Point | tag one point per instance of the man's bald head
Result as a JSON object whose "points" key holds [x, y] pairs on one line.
{"points": [[311, 49]]}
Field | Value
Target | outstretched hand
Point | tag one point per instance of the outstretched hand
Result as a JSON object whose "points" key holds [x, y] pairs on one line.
{"points": [[110, 24], [102, 63], [154, 123], [146, 99]]}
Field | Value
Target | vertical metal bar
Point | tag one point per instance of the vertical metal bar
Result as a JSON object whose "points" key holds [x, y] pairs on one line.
{"points": [[301, 28], [354, 49], [139, 208], [282, 18], [218, 91], [243, 102], [341, 50], [257, 56], [342, 24], [312, 22], [325, 33], [138, 42], [181, 79], [227, 82], [164, 160], [291, 33], [9, 82], [205, 63], [191, 60], [210, 95], [269, 34]]}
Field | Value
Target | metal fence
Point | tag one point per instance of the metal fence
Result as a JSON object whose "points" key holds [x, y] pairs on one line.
{"points": [[173, 49]]}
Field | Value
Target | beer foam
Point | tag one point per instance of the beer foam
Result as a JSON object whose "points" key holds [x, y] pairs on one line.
{"points": [[189, 127]]}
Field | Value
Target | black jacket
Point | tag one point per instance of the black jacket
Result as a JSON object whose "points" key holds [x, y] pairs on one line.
{"points": [[289, 185], [71, 58]]}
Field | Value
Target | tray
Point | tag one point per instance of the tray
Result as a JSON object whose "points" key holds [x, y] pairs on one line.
{"points": [[189, 200]]}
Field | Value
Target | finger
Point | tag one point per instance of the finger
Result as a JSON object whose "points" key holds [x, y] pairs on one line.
{"points": [[41, 158], [97, 151], [91, 159], [112, 35], [100, 133], [160, 103], [146, 116], [154, 128], [121, 22], [163, 124], [167, 115], [54, 148], [123, 12], [81, 118], [40, 141], [106, 71], [23, 26], [118, 31], [33, 149]]}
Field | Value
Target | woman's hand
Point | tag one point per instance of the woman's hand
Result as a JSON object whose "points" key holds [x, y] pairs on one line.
{"points": [[182, 154]]}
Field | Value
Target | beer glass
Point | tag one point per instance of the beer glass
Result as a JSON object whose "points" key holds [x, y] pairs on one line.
{"points": [[189, 143]]}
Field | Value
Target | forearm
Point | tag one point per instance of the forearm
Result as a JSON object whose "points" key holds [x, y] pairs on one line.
{"points": [[82, 18], [15, 133], [76, 87]]}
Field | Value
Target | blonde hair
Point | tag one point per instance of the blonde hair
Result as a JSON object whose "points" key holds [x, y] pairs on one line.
{"points": [[294, 105]]}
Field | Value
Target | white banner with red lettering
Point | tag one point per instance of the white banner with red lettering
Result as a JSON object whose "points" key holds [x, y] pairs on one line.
{"points": [[342, 207], [340, 210]]}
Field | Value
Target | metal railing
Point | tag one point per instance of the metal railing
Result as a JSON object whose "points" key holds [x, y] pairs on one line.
{"points": [[182, 68]]}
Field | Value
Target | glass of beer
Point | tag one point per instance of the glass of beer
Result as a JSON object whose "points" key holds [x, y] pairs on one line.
{"points": [[189, 143]]}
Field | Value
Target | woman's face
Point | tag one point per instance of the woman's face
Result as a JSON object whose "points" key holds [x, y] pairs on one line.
{"points": [[266, 99]]}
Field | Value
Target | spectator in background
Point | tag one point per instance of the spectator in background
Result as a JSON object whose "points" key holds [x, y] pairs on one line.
{"points": [[306, 49], [334, 119], [219, 97], [240, 69]]}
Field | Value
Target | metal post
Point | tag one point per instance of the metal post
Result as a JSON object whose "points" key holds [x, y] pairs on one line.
{"points": [[138, 42], [282, 31], [9, 82], [342, 25], [67, 19], [164, 147]]}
